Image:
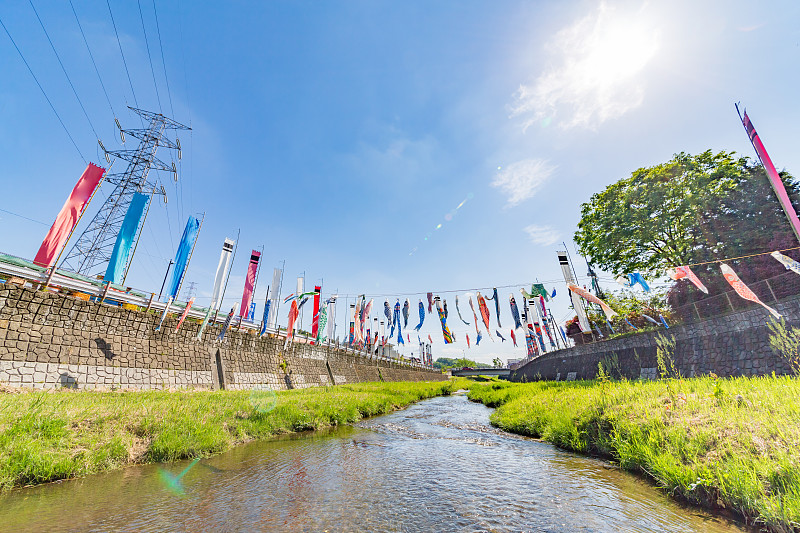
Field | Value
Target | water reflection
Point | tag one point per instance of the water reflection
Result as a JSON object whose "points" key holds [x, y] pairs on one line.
{"points": [[437, 466]]}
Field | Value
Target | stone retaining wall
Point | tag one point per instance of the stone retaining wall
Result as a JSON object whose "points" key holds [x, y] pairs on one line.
{"points": [[732, 345], [53, 340]]}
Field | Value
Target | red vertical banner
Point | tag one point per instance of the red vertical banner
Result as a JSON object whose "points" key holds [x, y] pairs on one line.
{"points": [[68, 217], [315, 319], [250, 283]]}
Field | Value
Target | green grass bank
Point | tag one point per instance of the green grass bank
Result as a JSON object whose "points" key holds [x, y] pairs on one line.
{"points": [[46, 436], [720, 443]]}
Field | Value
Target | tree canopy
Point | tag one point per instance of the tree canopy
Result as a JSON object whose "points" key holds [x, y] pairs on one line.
{"points": [[691, 209]]}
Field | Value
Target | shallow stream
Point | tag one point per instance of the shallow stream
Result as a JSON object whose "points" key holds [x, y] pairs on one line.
{"points": [[436, 466]]}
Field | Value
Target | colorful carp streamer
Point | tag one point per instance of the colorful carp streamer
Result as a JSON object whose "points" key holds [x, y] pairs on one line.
{"points": [[743, 290], [554, 294], [430, 302], [475, 317], [496, 306], [498, 334], [421, 315], [405, 314], [294, 312], [686, 272], [397, 323], [358, 336], [786, 261], [467, 340], [651, 319], [629, 280], [662, 321], [514, 312], [586, 295], [446, 333], [514, 338], [227, 323], [185, 312], [538, 288], [164, 314], [322, 321], [387, 311], [367, 311], [444, 304], [430, 340], [484, 309], [459, 312]]}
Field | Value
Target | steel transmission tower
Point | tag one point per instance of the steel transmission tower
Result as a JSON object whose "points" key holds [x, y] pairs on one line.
{"points": [[92, 251]]}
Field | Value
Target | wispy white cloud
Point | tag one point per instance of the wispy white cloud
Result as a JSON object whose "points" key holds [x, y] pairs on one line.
{"points": [[522, 179], [543, 235], [596, 75]]}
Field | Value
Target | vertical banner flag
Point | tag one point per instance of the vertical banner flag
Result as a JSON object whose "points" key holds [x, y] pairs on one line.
{"points": [[185, 313], [743, 290], [315, 316], [265, 318], [577, 303], [127, 233], [351, 338], [331, 316], [277, 275], [68, 217], [249, 283], [772, 174], [182, 256], [222, 270]]}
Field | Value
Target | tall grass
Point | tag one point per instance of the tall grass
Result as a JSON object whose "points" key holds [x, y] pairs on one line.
{"points": [[45, 436], [724, 443]]}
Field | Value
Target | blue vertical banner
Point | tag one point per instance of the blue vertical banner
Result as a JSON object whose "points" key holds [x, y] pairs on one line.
{"points": [[115, 271], [182, 256]]}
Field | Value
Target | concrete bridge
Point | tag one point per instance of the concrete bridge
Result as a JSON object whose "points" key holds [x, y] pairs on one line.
{"points": [[501, 372]]}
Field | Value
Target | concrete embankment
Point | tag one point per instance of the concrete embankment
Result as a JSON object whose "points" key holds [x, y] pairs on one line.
{"points": [[52, 340]]}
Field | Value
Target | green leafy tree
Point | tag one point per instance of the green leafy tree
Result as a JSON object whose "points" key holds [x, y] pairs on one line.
{"points": [[498, 363], [687, 210]]}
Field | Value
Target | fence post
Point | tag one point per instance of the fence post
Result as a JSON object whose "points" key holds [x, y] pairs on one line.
{"points": [[770, 290], [727, 297]]}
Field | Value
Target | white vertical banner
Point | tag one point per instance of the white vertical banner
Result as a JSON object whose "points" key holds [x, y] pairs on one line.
{"points": [[222, 271], [577, 303], [298, 324], [274, 295], [331, 317]]}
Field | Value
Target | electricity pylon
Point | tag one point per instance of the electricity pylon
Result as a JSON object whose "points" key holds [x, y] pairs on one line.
{"points": [[92, 251]]}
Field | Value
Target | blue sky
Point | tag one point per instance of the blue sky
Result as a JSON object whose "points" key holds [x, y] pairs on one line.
{"points": [[339, 135]]}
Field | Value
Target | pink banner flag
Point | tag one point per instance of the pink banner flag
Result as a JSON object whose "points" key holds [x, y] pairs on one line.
{"points": [[249, 283], [774, 177], [686, 272], [185, 312], [743, 290], [586, 295], [68, 216]]}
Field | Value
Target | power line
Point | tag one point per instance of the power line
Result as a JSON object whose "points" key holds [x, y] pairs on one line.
{"points": [[130, 81], [92, 57], [43, 93], [149, 57], [64, 69], [163, 62], [23, 216]]}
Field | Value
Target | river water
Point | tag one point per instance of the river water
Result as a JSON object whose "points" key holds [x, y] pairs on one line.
{"points": [[436, 466]]}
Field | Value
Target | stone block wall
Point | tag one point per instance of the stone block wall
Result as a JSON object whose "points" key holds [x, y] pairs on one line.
{"points": [[730, 345], [52, 340]]}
